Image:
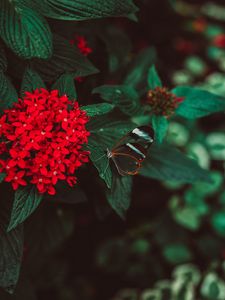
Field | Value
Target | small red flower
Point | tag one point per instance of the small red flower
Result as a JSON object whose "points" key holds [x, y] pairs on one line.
{"points": [[219, 41], [82, 45], [41, 140], [162, 101]]}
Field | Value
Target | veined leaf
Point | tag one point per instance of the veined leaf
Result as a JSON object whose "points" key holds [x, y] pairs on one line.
{"points": [[31, 81], [119, 196], [100, 160], [65, 59], [11, 249], [165, 162], [84, 9], [109, 130], [26, 201], [97, 109], [124, 97], [24, 30], [65, 85], [153, 78], [160, 126], [3, 59], [105, 131], [198, 103], [8, 93]]}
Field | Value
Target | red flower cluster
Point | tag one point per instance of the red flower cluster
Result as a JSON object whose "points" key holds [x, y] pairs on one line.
{"points": [[162, 101], [41, 140], [82, 45]]}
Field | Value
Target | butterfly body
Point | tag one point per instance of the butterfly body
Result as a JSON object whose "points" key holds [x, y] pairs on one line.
{"points": [[129, 153]]}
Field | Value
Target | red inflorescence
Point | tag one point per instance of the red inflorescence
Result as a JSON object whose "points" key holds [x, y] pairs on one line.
{"points": [[41, 140], [82, 45], [162, 102]]}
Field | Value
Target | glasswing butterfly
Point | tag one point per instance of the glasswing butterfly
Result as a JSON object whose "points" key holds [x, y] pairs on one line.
{"points": [[130, 151]]}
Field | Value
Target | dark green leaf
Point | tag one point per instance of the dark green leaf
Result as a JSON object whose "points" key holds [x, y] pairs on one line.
{"points": [[2, 176], [3, 59], [65, 59], [24, 30], [124, 97], [119, 196], [165, 162], [97, 109], [84, 9], [31, 81], [11, 249], [100, 160], [160, 126], [197, 103], [138, 71], [109, 130], [153, 78], [65, 85], [8, 93], [26, 201], [105, 132], [119, 51]]}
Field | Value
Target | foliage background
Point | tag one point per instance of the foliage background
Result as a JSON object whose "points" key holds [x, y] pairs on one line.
{"points": [[171, 245]]}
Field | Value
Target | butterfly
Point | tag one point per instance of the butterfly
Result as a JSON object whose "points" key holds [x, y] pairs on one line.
{"points": [[130, 151]]}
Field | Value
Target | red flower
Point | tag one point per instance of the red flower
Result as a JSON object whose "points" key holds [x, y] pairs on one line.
{"points": [[162, 102], [41, 140], [219, 41], [82, 45]]}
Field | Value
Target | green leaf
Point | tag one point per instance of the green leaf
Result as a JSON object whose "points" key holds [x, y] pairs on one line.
{"points": [[108, 130], [31, 81], [84, 9], [2, 176], [138, 71], [26, 201], [218, 222], [119, 51], [24, 30], [3, 59], [65, 85], [124, 97], [66, 58], [11, 249], [153, 78], [160, 126], [165, 162], [119, 196], [97, 109], [197, 103], [177, 253], [100, 160], [212, 287], [186, 216], [105, 132], [8, 93]]}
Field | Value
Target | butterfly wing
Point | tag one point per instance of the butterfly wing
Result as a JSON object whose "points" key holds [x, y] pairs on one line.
{"points": [[126, 164], [131, 150]]}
